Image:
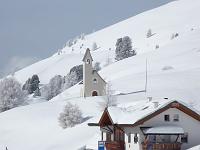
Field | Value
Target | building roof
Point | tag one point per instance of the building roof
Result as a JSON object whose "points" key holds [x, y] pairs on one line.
{"points": [[95, 72], [143, 111], [86, 54]]}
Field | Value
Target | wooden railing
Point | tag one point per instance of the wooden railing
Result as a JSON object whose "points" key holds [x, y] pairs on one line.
{"points": [[114, 145], [162, 146]]}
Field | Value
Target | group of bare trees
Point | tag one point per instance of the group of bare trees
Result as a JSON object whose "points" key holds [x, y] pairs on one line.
{"points": [[11, 94]]}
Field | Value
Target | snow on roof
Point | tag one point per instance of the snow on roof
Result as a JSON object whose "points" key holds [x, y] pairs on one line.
{"points": [[139, 110], [164, 130]]}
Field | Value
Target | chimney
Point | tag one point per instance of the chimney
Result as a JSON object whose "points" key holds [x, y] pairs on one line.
{"points": [[155, 104], [149, 99]]}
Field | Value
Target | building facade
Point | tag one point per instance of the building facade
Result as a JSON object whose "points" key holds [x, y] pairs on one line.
{"points": [[93, 84], [170, 126]]}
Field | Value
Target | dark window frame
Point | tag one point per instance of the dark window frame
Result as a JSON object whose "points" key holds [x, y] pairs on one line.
{"points": [[167, 118], [184, 138], [129, 138], [136, 139]]}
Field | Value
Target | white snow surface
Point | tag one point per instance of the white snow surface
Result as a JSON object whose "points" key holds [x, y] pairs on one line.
{"points": [[139, 110], [173, 72], [195, 148]]}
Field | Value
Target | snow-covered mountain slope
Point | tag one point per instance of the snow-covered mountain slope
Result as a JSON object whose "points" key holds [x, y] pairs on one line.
{"points": [[176, 17], [36, 127], [173, 71]]}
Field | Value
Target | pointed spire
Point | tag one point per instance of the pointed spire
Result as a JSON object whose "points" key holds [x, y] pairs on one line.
{"points": [[87, 55]]}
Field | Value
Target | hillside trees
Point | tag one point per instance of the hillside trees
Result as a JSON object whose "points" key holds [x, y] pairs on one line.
{"points": [[27, 85], [37, 93], [53, 88], [11, 94], [58, 83], [174, 35], [124, 48], [94, 46], [71, 116], [73, 77], [32, 84], [149, 33]]}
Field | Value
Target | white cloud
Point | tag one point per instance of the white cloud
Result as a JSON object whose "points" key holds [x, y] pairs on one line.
{"points": [[18, 62]]}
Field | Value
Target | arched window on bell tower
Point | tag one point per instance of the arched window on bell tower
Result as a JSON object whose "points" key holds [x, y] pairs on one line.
{"points": [[88, 61]]}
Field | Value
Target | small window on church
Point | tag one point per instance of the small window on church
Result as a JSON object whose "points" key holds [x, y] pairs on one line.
{"points": [[95, 81], [88, 61]]}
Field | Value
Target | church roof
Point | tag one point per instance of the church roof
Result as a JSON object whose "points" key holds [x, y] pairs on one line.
{"points": [[94, 71], [86, 54]]}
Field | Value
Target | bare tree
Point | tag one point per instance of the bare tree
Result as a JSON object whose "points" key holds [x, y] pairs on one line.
{"points": [[97, 66], [149, 33], [11, 94], [94, 46], [53, 88], [110, 99], [71, 116]]}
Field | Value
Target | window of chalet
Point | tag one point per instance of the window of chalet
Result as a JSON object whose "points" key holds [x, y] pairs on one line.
{"points": [[176, 117], [184, 138], [108, 137], [136, 138], [122, 137], [167, 118], [129, 138], [119, 135]]}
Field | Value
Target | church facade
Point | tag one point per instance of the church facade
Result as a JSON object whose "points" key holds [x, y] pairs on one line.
{"points": [[93, 83]]}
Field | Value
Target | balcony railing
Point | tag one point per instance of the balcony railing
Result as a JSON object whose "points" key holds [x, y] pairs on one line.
{"points": [[162, 146]]}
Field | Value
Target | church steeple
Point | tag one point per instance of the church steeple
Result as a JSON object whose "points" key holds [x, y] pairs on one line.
{"points": [[87, 56], [93, 84]]}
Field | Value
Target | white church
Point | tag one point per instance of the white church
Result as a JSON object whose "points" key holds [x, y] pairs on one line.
{"points": [[93, 83]]}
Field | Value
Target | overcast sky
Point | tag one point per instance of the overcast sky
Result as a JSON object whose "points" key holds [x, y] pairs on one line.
{"points": [[34, 29]]}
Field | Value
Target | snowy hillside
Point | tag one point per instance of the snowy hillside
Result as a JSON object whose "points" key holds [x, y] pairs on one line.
{"points": [[176, 17], [173, 72]]}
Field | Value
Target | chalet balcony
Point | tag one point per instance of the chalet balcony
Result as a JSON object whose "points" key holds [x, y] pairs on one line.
{"points": [[162, 146], [112, 145]]}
